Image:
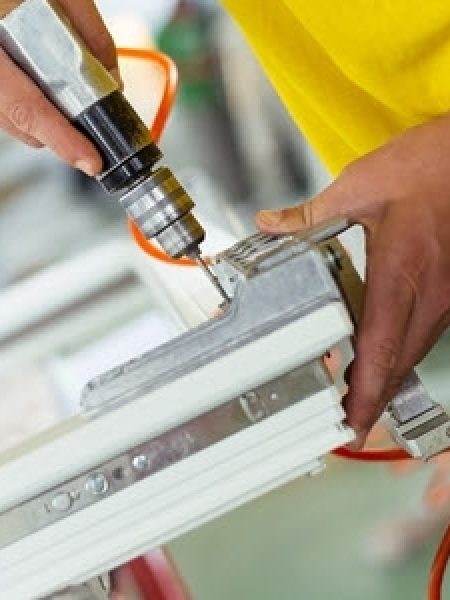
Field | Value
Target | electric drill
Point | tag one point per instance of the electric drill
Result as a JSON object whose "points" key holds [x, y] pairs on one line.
{"points": [[39, 38]]}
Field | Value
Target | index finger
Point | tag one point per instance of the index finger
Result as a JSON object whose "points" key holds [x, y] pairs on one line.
{"points": [[28, 111]]}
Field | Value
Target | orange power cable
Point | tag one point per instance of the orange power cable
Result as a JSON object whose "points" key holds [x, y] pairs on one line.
{"points": [[373, 455], [443, 552], [169, 69], [171, 78], [438, 568]]}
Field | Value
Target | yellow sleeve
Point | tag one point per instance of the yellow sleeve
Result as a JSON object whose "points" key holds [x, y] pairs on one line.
{"points": [[352, 73]]}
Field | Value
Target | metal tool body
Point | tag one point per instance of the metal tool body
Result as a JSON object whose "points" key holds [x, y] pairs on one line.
{"points": [[40, 39], [219, 415]]}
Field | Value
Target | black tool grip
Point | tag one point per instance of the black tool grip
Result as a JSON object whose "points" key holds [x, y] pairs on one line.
{"points": [[122, 140]]}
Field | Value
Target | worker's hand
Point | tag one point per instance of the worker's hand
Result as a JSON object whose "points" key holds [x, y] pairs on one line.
{"points": [[27, 115], [401, 195]]}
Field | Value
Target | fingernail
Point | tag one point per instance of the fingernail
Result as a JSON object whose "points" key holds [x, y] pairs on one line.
{"points": [[85, 166], [359, 441], [269, 217]]}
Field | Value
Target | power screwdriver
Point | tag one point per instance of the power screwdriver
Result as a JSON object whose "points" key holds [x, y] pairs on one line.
{"points": [[39, 38]]}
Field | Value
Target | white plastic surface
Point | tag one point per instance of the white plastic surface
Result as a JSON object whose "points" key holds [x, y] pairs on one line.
{"points": [[29, 325], [85, 445], [175, 500]]}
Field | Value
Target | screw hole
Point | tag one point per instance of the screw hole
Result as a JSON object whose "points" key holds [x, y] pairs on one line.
{"points": [[118, 473]]}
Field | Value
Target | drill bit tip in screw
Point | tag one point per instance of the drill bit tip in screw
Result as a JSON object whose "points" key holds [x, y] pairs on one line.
{"points": [[208, 272]]}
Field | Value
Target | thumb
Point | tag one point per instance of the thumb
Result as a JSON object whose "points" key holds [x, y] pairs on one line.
{"points": [[333, 202]]}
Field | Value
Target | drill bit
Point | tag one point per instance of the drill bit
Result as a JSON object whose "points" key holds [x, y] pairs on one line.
{"points": [[207, 271]]}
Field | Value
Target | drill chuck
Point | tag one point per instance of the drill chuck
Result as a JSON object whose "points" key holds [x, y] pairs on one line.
{"points": [[162, 209], [40, 40]]}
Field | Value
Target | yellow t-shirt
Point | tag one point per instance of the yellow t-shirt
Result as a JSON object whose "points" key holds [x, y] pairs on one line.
{"points": [[352, 73]]}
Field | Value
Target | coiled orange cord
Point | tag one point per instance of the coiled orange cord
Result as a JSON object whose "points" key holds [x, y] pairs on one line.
{"points": [[171, 78], [373, 455], [443, 552], [438, 568], [170, 71], [370, 455]]}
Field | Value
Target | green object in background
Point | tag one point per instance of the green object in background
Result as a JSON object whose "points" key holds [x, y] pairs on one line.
{"points": [[186, 39]]}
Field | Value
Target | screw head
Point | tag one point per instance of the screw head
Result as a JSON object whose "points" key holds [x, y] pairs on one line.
{"points": [[61, 502], [141, 462], [97, 484]]}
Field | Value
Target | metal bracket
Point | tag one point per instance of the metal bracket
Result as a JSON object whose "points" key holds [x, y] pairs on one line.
{"points": [[163, 451], [417, 423], [98, 588]]}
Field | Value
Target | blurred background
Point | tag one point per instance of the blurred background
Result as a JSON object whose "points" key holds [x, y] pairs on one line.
{"points": [[76, 298]]}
